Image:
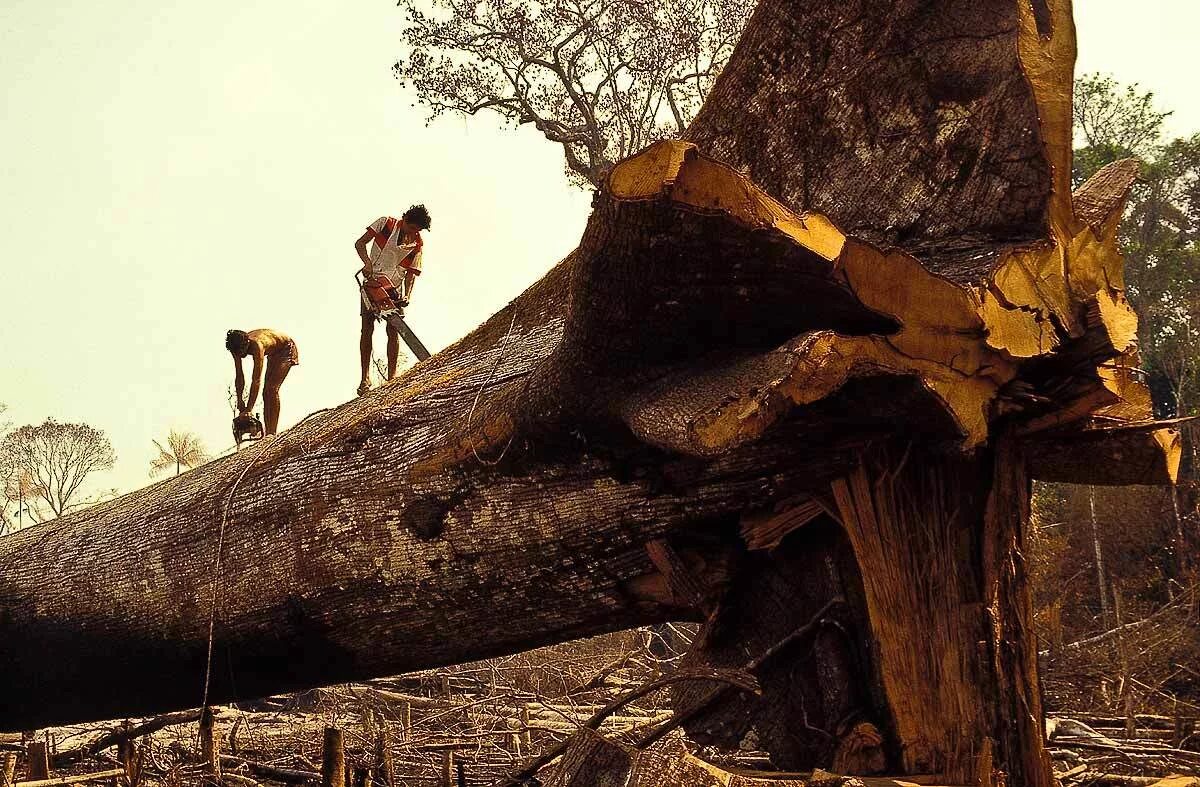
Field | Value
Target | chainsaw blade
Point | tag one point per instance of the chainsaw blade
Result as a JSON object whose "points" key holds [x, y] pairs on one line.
{"points": [[396, 320]]}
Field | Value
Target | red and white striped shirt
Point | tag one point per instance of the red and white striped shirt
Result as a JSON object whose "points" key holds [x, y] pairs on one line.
{"points": [[391, 255]]}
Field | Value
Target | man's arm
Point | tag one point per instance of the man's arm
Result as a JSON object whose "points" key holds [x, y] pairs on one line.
{"points": [[412, 269], [239, 382], [256, 375], [360, 246]]}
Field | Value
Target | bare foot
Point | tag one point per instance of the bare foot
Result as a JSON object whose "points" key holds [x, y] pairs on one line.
{"points": [[363, 387]]}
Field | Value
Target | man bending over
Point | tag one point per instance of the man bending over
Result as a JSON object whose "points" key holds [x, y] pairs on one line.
{"points": [[280, 354]]}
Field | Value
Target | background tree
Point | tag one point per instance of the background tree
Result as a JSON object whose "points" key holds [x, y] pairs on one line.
{"points": [[8, 476], [1136, 541], [1160, 239], [1136, 664], [16, 486], [603, 78], [19, 496], [184, 450], [56, 458], [1113, 121], [1159, 235]]}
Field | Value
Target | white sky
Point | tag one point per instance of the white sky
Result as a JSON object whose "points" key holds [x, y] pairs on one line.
{"points": [[169, 170]]}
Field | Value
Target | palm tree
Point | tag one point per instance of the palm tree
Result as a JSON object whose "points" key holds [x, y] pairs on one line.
{"points": [[183, 450]]}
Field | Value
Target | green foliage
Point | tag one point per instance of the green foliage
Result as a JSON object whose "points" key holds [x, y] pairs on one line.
{"points": [[1159, 236], [1112, 121], [1132, 563]]}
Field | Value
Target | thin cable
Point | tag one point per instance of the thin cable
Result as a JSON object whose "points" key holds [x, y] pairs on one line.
{"points": [[212, 614], [474, 404]]}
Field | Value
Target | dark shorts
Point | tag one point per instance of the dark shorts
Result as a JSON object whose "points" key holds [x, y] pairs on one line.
{"points": [[290, 353]]}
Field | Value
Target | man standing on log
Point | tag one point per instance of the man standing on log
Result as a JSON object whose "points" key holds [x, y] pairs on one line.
{"points": [[392, 249], [280, 354]]}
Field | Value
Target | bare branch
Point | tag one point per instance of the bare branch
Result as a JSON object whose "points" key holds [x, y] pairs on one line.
{"points": [[602, 78]]}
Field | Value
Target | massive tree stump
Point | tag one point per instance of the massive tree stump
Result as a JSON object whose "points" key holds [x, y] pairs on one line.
{"points": [[928, 552], [803, 361]]}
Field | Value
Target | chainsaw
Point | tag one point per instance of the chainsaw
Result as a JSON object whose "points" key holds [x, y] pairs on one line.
{"points": [[383, 300], [247, 427]]}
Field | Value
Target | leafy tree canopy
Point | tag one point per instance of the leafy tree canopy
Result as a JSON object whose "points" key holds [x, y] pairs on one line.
{"points": [[1160, 232]]}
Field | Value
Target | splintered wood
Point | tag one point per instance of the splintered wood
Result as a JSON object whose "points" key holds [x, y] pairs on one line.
{"points": [[766, 529]]}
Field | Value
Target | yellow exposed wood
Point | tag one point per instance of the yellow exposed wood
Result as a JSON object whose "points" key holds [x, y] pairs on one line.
{"points": [[1093, 399], [1112, 314], [645, 175], [1113, 393], [1061, 281], [1019, 333], [1132, 397], [823, 364], [1049, 64], [961, 342], [765, 529], [931, 687], [1035, 279], [939, 320], [676, 170], [707, 184]]}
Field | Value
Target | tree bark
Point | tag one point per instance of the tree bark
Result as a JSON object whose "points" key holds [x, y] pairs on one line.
{"points": [[546, 550], [591, 760], [936, 622]]}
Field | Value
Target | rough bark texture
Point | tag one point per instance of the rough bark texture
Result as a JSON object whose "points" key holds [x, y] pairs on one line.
{"points": [[874, 114], [825, 673], [926, 554], [867, 240], [591, 760]]}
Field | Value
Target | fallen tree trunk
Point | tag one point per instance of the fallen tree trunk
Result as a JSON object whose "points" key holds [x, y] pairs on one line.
{"points": [[73, 779], [285, 775], [866, 241], [573, 572], [115, 737]]}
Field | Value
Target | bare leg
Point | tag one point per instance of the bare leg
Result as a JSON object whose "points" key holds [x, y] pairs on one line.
{"points": [[364, 349], [393, 351], [277, 372]]}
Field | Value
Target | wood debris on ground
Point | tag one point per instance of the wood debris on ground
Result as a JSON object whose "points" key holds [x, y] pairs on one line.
{"points": [[489, 719]]}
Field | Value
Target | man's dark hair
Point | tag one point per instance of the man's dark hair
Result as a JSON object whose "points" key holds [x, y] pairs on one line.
{"points": [[417, 216], [236, 341]]}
